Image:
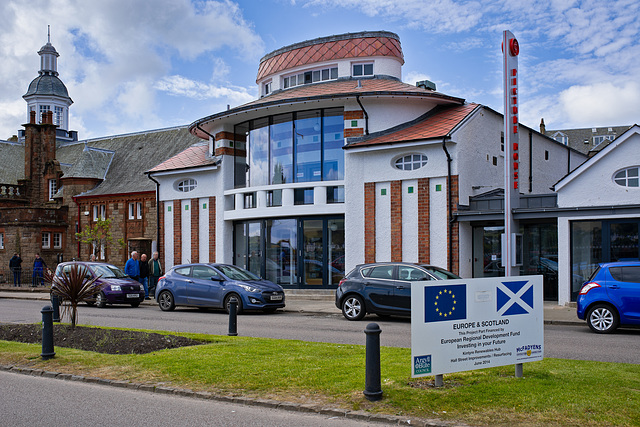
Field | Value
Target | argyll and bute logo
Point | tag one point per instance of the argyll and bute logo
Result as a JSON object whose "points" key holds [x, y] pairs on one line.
{"points": [[514, 297], [448, 302]]}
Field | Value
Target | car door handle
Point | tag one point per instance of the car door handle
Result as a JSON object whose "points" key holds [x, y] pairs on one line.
{"points": [[614, 287]]}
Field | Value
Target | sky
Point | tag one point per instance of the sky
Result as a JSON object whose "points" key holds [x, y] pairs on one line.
{"points": [[135, 65]]}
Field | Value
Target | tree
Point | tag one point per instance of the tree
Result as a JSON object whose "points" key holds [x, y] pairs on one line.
{"points": [[72, 287], [97, 235]]}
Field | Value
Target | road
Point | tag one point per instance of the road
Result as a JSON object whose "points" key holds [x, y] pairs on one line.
{"points": [[30, 401], [568, 342]]}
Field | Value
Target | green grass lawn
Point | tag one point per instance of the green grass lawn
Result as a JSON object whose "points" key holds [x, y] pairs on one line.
{"points": [[552, 392]]}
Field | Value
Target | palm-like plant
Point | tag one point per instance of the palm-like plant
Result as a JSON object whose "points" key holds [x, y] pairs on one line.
{"points": [[73, 286]]}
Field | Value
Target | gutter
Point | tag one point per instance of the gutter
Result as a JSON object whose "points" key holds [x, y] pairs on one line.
{"points": [[366, 116], [157, 211], [449, 210]]}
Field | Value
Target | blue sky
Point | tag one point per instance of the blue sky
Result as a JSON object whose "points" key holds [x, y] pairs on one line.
{"points": [[133, 65]]}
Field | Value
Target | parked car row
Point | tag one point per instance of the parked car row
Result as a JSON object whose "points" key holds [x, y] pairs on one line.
{"points": [[609, 299]]}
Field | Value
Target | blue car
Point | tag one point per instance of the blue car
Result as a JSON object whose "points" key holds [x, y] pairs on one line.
{"points": [[611, 297], [213, 286]]}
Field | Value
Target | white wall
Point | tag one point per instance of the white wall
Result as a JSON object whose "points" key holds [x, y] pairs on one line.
{"points": [[594, 185], [410, 221], [438, 220], [168, 234], [186, 231], [203, 231]]}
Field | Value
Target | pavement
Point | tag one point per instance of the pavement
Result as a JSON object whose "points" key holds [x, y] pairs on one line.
{"points": [[310, 301]]}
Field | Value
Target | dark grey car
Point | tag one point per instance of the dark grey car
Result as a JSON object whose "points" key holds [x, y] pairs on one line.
{"points": [[383, 288]]}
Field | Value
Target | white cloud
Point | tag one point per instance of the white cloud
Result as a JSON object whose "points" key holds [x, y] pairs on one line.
{"points": [[414, 76], [602, 104], [109, 51], [181, 86]]}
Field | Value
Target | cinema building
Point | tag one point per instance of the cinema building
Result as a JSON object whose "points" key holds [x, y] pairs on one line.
{"points": [[339, 163]]}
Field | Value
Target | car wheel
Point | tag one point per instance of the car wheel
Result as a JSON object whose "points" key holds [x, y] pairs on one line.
{"points": [[135, 304], [602, 319], [353, 307], [101, 300], [227, 302], [165, 301]]}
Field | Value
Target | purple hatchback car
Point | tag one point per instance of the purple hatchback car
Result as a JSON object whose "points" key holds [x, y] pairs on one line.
{"points": [[116, 287]]}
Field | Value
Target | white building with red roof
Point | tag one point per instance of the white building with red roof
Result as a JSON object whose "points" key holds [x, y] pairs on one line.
{"points": [[339, 163]]}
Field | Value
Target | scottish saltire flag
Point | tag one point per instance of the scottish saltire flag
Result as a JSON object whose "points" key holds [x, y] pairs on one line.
{"points": [[514, 297], [448, 302]]}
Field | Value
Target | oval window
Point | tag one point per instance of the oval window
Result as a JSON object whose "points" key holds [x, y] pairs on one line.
{"points": [[411, 162], [627, 177], [186, 185]]}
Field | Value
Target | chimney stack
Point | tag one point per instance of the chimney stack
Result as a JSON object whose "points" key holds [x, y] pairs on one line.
{"points": [[32, 117], [543, 128]]}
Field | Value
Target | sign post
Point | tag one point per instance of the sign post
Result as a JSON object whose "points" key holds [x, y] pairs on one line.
{"points": [[465, 324]]}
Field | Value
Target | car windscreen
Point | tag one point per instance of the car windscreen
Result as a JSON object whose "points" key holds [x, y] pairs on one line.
{"points": [[236, 273], [107, 271]]}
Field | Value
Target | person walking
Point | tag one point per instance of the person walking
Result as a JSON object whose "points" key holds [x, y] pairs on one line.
{"points": [[38, 271], [132, 267], [144, 275], [155, 271], [15, 265]]}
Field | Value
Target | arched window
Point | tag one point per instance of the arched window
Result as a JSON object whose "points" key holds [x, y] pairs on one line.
{"points": [[186, 185], [411, 162], [627, 177]]}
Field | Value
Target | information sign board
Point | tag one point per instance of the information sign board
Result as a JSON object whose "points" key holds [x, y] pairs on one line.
{"points": [[464, 324]]}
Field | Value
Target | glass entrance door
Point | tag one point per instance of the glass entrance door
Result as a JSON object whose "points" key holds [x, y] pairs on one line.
{"points": [[624, 241], [312, 262]]}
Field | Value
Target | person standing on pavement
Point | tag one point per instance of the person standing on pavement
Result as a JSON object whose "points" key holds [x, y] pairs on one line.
{"points": [[38, 271], [16, 268], [144, 275], [155, 271], [132, 267]]}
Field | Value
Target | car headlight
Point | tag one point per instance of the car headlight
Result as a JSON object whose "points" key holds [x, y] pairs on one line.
{"points": [[116, 288], [248, 288]]}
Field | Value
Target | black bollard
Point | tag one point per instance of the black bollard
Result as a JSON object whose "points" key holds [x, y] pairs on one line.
{"points": [[47, 333], [233, 317], [55, 302], [372, 389]]}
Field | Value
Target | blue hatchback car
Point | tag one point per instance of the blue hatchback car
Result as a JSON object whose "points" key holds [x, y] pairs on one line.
{"points": [[213, 286], [611, 297]]}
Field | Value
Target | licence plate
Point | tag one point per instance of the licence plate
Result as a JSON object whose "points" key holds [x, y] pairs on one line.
{"points": [[133, 296], [276, 297]]}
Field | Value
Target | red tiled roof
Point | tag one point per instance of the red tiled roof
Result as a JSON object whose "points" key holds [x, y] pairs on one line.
{"points": [[194, 156], [436, 125], [342, 87], [328, 49], [328, 90]]}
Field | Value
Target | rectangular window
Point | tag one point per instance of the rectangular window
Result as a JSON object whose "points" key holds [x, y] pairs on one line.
{"points": [[53, 188], [57, 116], [43, 109], [1, 240], [103, 212], [57, 240], [132, 211], [267, 88], [250, 200], [46, 240], [316, 76], [139, 210], [362, 70], [303, 196], [95, 213], [546, 154], [325, 74], [274, 198], [335, 194], [285, 82]]}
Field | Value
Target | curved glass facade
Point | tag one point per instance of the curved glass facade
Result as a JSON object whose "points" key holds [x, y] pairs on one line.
{"points": [[304, 146]]}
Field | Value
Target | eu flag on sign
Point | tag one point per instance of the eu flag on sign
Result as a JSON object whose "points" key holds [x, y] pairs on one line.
{"points": [[448, 302]]}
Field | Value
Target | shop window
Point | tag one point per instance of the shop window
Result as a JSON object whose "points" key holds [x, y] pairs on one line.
{"points": [[627, 177]]}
